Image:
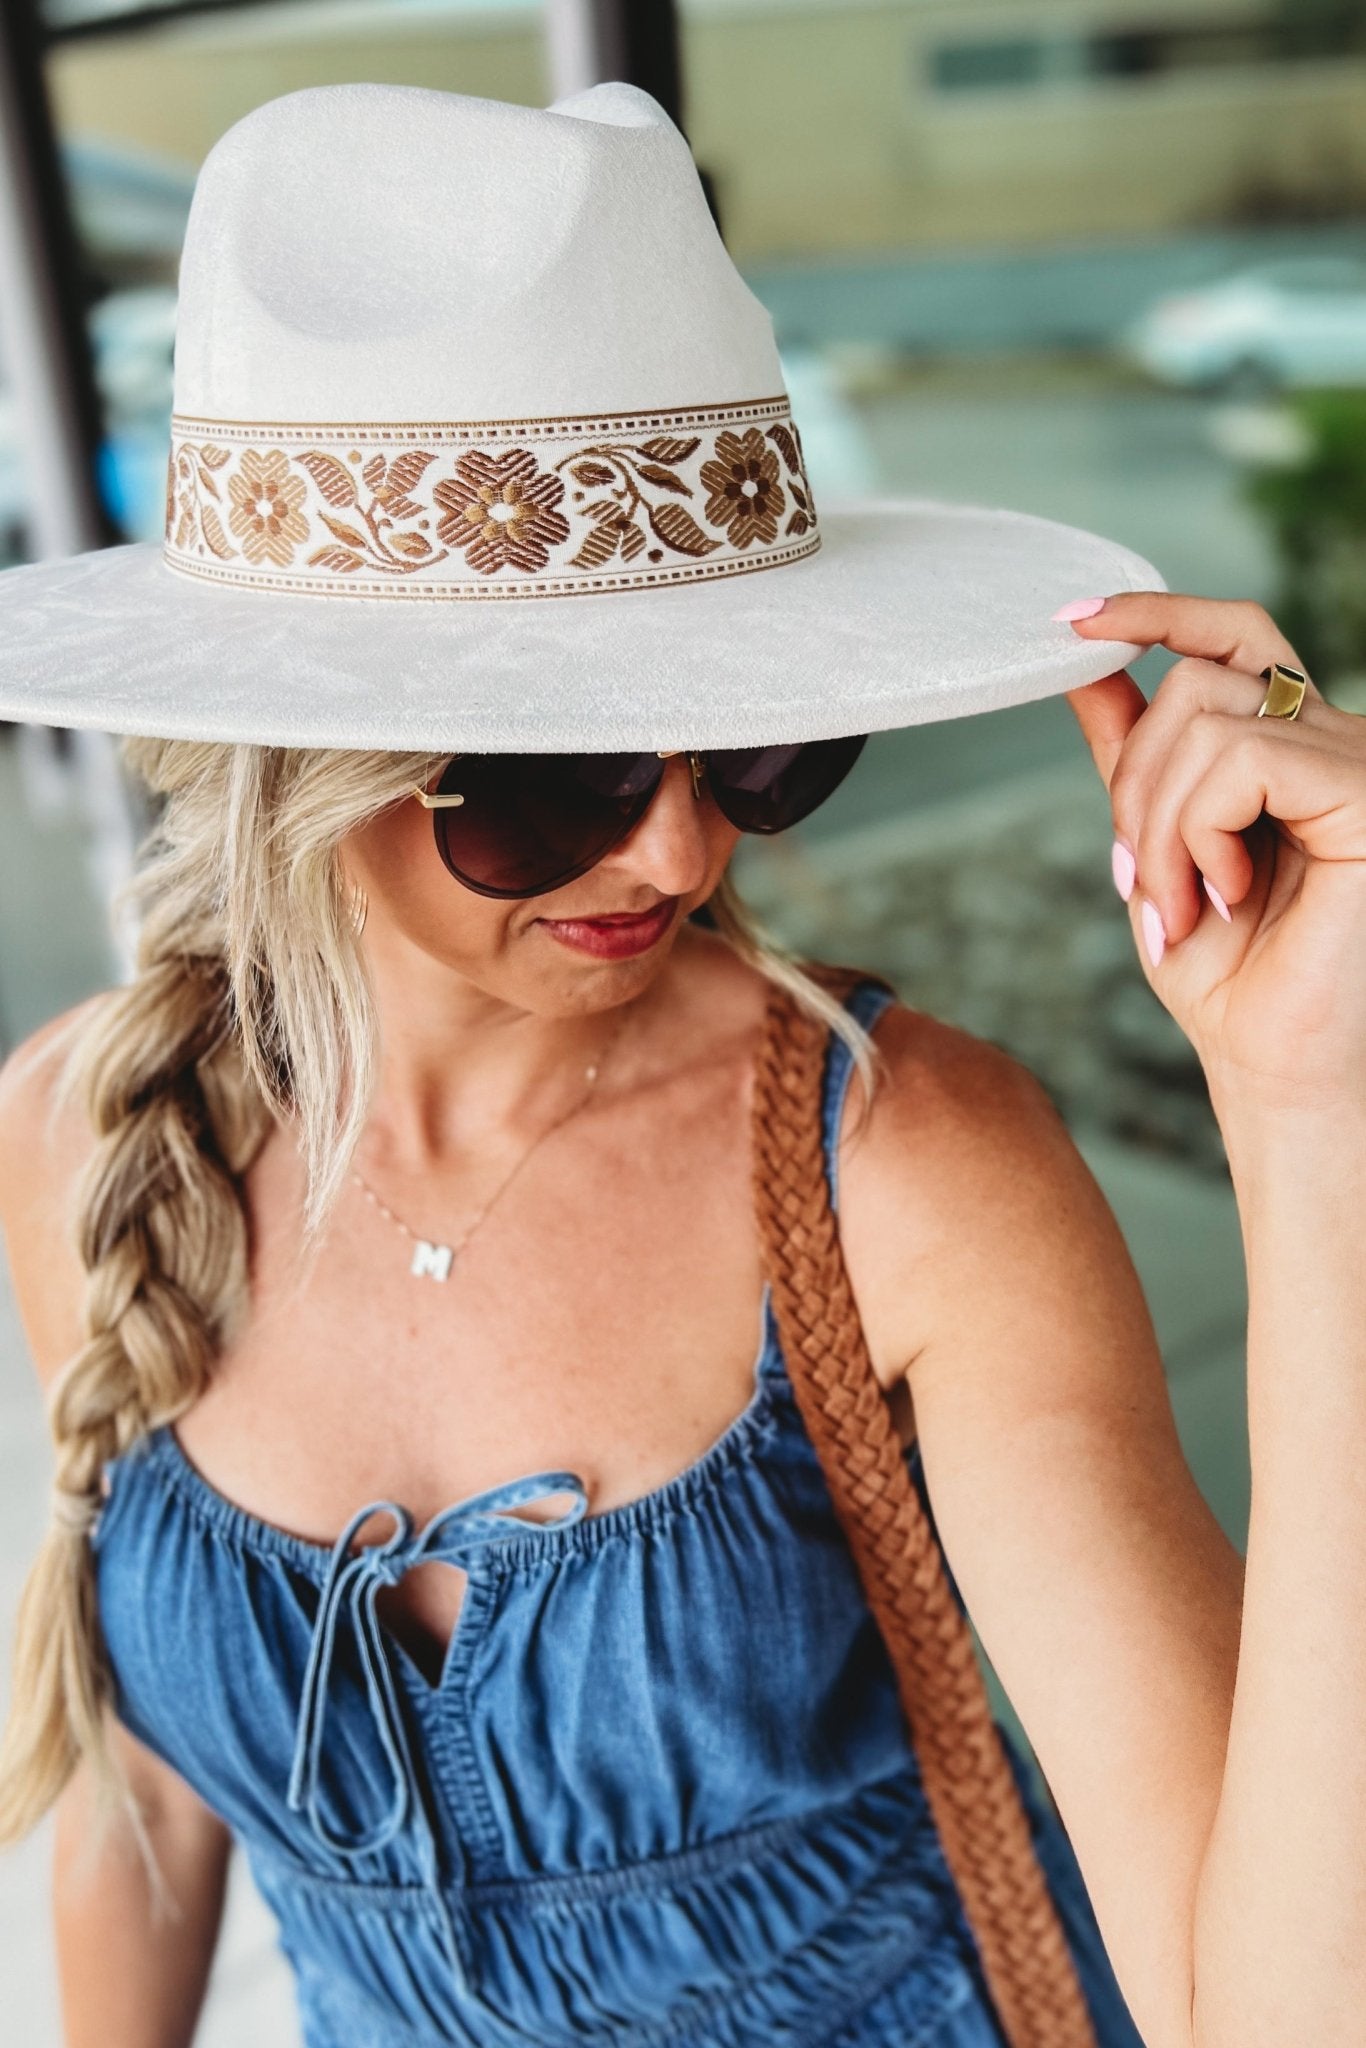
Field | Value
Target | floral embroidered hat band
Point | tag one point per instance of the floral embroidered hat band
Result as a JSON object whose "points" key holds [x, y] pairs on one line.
{"points": [[480, 442], [561, 505]]}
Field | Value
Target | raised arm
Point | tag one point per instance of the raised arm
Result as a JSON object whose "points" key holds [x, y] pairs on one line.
{"points": [[1199, 1719], [1264, 800]]}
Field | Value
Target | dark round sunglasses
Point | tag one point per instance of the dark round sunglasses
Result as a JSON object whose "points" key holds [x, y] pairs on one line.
{"points": [[522, 824]]}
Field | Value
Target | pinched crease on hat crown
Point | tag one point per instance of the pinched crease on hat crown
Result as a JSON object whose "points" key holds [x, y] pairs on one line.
{"points": [[471, 385]]}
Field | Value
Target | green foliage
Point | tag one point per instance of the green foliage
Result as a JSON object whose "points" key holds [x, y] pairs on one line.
{"points": [[1316, 509]]}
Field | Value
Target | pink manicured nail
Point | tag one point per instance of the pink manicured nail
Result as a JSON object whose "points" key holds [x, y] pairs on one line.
{"points": [[1154, 932], [1217, 900], [1080, 608], [1123, 868]]}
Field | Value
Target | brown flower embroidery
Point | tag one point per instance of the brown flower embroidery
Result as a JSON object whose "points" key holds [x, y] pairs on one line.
{"points": [[500, 510], [746, 495], [265, 513]]}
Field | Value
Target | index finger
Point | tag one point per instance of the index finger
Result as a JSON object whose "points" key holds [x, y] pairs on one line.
{"points": [[1232, 630]]}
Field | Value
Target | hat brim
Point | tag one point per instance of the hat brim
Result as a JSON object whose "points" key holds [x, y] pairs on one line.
{"points": [[913, 610]]}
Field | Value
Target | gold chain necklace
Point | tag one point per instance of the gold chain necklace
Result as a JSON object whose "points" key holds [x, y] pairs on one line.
{"points": [[433, 1261]]}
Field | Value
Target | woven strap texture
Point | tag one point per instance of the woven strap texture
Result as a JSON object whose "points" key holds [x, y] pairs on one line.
{"points": [[982, 1822]]}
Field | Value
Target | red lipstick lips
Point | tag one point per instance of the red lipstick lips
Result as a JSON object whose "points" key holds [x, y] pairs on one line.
{"points": [[614, 937]]}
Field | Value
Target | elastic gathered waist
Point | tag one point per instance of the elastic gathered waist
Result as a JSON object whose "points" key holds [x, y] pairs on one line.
{"points": [[933, 1978], [567, 1888], [764, 1933]]}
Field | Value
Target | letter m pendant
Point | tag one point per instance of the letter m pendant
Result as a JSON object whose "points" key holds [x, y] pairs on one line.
{"points": [[431, 1260]]}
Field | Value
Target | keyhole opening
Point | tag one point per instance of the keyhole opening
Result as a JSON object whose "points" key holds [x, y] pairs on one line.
{"points": [[422, 1613]]}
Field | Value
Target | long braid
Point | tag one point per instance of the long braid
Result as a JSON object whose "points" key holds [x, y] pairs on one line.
{"points": [[160, 1230]]}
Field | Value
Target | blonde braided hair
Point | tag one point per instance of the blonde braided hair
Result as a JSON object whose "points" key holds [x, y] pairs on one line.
{"points": [[250, 1003]]}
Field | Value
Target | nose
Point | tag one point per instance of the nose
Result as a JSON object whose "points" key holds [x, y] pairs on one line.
{"points": [[694, 761], [670, 846]]}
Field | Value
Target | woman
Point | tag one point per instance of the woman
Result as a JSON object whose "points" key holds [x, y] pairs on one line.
{"points": [[506, 1769]]}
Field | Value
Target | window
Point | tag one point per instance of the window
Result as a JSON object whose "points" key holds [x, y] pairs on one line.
{"points": [[990, 63]]}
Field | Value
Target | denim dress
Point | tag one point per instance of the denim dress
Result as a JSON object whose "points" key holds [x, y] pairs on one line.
{"points": [[661, 1793]]}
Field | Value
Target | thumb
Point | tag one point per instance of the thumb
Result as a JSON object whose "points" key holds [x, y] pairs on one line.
{"points": [[1107, 712]]}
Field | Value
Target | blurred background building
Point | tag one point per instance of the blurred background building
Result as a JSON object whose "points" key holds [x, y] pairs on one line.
{"points": [[1103, 260]]}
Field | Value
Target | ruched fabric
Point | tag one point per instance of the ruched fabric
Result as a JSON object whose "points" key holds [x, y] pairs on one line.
{"points": [[661, 1792]]}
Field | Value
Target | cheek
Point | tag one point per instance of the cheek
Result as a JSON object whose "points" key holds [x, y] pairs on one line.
{"points": [[453, 923], [424, 901]]}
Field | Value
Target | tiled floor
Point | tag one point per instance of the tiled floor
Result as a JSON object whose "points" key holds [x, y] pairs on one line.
{"points": [[1181, 1227]]}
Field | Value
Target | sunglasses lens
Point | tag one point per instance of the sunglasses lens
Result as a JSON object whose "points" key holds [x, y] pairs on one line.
{"points": [[766, 789], [531, 822]]}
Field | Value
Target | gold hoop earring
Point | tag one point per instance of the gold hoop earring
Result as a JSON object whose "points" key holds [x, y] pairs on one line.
{"points": [[360, 904]]}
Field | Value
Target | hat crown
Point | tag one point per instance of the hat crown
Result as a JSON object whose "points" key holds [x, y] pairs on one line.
{"points": [[397, 254]]}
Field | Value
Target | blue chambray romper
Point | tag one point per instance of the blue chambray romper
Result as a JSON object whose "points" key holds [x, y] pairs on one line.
{"points": [[663, 1792]]}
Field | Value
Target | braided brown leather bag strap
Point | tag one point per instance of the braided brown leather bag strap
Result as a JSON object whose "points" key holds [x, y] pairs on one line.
{"points": [[972, 1794]]}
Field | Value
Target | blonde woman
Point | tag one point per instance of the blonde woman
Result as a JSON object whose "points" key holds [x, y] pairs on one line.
{"points": [[432, 1513], [600, 1322]]}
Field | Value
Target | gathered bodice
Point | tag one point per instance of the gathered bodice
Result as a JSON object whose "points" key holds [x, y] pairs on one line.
{"points": [[661, 1791]]}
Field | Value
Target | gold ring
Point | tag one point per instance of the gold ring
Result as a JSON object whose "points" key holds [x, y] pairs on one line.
{"points": [[1284, 692]]}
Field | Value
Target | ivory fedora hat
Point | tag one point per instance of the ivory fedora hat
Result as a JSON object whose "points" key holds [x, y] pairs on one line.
{"points": [[481, 443]]}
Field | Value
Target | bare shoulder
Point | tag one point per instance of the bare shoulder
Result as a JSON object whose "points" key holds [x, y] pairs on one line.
{"points": [[939, 1079], [42, 1151], [964, 1198]]}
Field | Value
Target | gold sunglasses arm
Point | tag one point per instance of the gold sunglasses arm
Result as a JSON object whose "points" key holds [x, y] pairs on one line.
{"points": [[694, 763], [443, 803]]}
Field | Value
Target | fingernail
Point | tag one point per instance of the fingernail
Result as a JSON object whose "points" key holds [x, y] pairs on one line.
{"points": [[1080, 608], [1154, 932], [1217, 900], [1123, 868]]}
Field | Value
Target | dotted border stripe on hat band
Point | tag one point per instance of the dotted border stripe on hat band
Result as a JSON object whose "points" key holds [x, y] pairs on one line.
{"points": [[466, 510]]}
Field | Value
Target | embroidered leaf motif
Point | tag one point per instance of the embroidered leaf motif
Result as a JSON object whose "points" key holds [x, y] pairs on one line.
{"points": [[655, 475], [373, 472], [797, 524], [780, 434], [664, 450], [343, 532], [396, 505], [404, 472], [800, 495], [213, 455], [677, 528], [599, 547], [592, 473], [207, 481], [214, 534], [632, 540], [602, 508], [414, 545], [333, 479], [335, 558]]}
